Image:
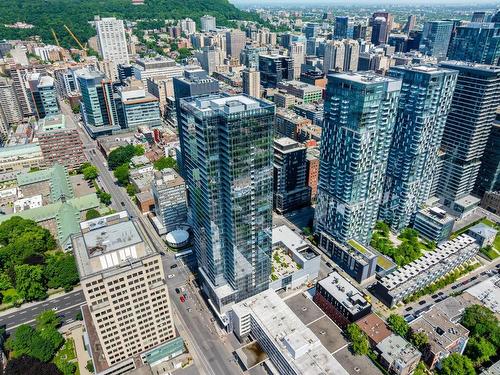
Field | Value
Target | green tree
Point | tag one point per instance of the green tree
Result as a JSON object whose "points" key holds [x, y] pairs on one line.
{"points": [[104, 198], [479, 350], [420, 369], [46, 319], [121, 155], [360, 345], [122, 174], [30, 282], [52, 336], [67, 368], [5, 282], [20, 342], [61, 271], [26, 365], [131, 190], [139, 150], [398, 324], [456, 364], [165, 162], [92, 214], [90, 172], [419, 339], [482, 322], [75, 108]]}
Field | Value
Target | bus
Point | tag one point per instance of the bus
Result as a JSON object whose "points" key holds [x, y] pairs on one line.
{"points": [[182, 254]]}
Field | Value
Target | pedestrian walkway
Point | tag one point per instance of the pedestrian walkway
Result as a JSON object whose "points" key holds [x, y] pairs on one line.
{"points": [[75, 331]]}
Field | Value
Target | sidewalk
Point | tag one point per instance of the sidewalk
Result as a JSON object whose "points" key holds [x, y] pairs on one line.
{"points": [[30, 304], [75, 331]]}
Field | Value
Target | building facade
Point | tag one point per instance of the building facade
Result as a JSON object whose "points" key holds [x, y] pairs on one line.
{"points": [[476, 42], [112, 42], [436, 38], [251, 82], [488, 178], [274, 69]]}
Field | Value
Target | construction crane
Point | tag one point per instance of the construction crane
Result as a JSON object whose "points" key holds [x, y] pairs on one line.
{"points": [[55, 37], [75, 38]]}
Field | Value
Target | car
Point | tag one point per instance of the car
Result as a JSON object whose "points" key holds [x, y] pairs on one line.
{"points": [[409, 318], [474, 278], [170, 276], [185, 296], [182, 299], [434, 296], [189, 309], [455, 286], [177, 290], [328, 264], [440, 293], [409, 308], [173, 266], [422, 302], [123, 204], [162, 253], [498, 265]]}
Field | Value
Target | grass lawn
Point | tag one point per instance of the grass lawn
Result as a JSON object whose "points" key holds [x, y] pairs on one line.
{"points": [[491, 253], [66, 354], [10, 296]]}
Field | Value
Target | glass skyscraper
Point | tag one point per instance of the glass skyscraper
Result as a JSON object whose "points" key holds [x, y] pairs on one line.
{"points": [[360, 111], [424, 104], [476, 42], [473, 109], [227, 158], [436, 38]]}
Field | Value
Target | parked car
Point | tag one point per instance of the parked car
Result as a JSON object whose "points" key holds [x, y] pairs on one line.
{"points": [[182, 299], [423, 302], [173, 266], [409, 308]]}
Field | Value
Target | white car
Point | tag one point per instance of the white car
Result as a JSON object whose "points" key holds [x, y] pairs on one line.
{"points": [[170, 276]]}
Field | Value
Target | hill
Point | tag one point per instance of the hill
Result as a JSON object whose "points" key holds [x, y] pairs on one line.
{"points": [[47, 14]]}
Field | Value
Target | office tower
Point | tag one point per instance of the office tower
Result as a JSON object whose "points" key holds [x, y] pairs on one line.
{"points": [[362, 31], [436, 38], [235, 42], [274, 69], [251, 82], [410, 23], [476, 42], [127, 310], [351, 55], [290, 190], [210, 58], [297, 53], [496, 17], [360, 111], [169, 194], [311, 30], [43, 95], [228, 172], [249, 56], [19, 75], [381, 23], [341, 27], [334, 56], [489, 174], [424, 104], [149, 67], [97, 105], [124, 71], [188, 26], [207, 23], [311, 46], [9, 106], [136, 107], [472, 113], [478, 17], [112, 42]]}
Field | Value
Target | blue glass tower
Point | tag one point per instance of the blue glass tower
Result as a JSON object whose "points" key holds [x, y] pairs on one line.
{"points": [[476, 42], [360, 111], [424, 104]]}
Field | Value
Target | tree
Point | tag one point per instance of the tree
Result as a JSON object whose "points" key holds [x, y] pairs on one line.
{"points": [[61, 271], [479, 350], [26, 365], [52, 336], [5, 282], [121, 155], [75, 108], [360, 345], [139, 150], [90, 172], [398, 324], [30, 282], [456, 364], [122, 174], [482, 322], [419, 339], [67, 368], [131, 190], [420, 369], [92, 214], [165, 162], [46, 319], [104, 198], [20, 342]]}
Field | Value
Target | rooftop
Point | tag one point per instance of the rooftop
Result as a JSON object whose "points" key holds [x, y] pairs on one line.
{"points": [[396, 349], [374, 327], [20, 151], [454, 64], [225, 104], [488, 292], [483, 230], [366, 78], [437, 214], [344, 292]]}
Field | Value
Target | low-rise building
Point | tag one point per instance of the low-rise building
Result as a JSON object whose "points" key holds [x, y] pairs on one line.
{"points": [[486, 293], [20, 157], [294, 261], [312, 111], [340, 300], [491, 201], [434, 224], [397, 355], [445, 336], [396, 286], [142, 178], [284, 100], [494, 369], [483, 234], [359, 261], [308, 93], [375, 328], [145, 201], [288, 123], [291, 346]]}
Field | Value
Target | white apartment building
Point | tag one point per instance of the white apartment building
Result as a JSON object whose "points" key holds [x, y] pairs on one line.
{"points": [[111, 41]]}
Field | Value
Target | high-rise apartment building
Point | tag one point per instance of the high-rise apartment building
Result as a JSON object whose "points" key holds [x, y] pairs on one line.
{"points": [[381, 24], [489, 174], [360, 112], [207, 23], [473, 110], [351, 55], [476, 42], [334, 56], [188, 26], [274, 69], [228, 172], [478, 17], [290, 189], [341, 28], [19, 75], [112, 42], [169, 194], [9, 106], [436, 38], [297, 53], [210, 57], [43, 95], [145, 68], [251, 82], [235, 42], [410, 23], [424, 104], [127, 311]]}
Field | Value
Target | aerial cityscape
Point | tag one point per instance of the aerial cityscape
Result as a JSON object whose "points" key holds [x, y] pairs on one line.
{"points": [[249, 187]]}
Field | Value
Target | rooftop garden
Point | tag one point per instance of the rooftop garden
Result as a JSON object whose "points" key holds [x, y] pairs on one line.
{"points": [[283, 264]]}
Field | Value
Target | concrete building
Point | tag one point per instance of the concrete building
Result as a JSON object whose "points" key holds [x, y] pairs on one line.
{"points": [[230, 190], [359, 261], [312, 171], [210, 57], [434, 224], [208, 23], [491, 201], [19, 75], [375, 328], [436, 38], [304, 91], [291, 346], [127, 311], [312, 111], [112, 42], [487, 293], [274, 69], [159, 66], [483, 234], [251, 82], [169, 193], [20, 157], [314, 77], [288, 123], [354, 156], [381, 24], [60, 143], [351, 55], [334, 56], [425, 101], [43, 95], [407, 280], [284, 100], [468, 125], [397, 355], [188, 26], [9, 106], [235, 42], [297, 53], [161, 87], [340, 300], [494, 369], [290, 190]]}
